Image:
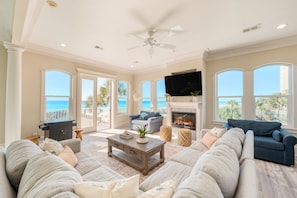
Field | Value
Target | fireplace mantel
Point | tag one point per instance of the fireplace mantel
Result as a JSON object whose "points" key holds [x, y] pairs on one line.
{"points": [[193, 107]]}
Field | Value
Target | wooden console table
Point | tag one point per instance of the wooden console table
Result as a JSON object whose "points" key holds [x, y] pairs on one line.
{"points": [[139, 156]]}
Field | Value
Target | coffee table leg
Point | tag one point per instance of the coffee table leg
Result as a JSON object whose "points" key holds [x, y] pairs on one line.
{"points": [[145, 164], [109, 149], [162, 154]]}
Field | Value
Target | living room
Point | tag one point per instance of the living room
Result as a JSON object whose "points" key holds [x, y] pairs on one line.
{"points": [[246, 58]]}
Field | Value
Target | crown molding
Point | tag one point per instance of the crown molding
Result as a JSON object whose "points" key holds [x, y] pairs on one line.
{"points": [[267, 45]]}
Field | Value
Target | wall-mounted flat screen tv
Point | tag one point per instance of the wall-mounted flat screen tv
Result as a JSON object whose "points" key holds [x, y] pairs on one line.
{"points": [[184, 84]]}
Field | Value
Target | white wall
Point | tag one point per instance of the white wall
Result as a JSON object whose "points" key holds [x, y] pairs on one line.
{"points": [[247, 63], [3, 65], [33, 65]]}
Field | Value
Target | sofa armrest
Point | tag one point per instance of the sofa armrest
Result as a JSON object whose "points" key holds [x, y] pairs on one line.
{"points": [[226, 125], [288, 138], [74, 144], [157, 118]]}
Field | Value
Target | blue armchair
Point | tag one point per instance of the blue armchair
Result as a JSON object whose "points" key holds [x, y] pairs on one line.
{"points": [[153, 120], [271, 142]]}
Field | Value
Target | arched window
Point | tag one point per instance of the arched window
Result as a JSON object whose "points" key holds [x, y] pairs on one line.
{"points": [[57, 96], [160, 93], [271, 93], [229, 93], [122, 97], [146, 95]]}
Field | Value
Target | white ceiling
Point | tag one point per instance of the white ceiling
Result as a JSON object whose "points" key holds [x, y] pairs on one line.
{"points": [[212, 25]]}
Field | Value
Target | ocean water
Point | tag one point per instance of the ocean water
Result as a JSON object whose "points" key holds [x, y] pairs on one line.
{"points": [[54, 105]]}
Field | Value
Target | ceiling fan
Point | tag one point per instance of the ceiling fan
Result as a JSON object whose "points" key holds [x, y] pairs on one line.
{"points": [[152, 40]]}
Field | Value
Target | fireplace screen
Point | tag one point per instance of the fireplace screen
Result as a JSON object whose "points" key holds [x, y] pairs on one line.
{"points": [[184, 120]]}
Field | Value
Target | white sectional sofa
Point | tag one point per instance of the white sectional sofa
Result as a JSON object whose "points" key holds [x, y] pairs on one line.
{"points": [[226, 169]]}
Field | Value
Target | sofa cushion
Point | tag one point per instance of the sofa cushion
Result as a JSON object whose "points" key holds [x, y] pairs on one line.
{"points": [[268, 143], [263, 128], [5, 188], [47, 175], [187, 156], [277, 136], [237, 132], [85, 163], [18, 154], [243, 124], [170, 170], [127, 187], [221, 163], [232, 142], [102, 173], [66, 195], [200, 185]]}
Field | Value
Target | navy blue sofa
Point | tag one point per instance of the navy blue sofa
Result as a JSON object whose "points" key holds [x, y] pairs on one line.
{"points": [[153, 120], [271, 142]]}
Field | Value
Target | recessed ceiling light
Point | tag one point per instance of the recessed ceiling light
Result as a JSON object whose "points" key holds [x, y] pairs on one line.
{"points": [[63, 45], [281, 26], [52, 4], [98, 47]]}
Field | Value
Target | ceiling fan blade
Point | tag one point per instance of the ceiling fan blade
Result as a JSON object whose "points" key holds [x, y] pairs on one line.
{"points": [[168, 46]]}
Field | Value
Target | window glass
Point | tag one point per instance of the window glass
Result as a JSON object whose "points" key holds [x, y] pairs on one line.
{"points": [[57, 96], [122, 97], [229, 95], [161, 100], [271, 93], [146, 95]]}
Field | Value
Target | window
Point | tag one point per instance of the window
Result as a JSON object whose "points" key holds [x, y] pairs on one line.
{"points": [[122, 97], [146, 95], [271, 92], [160, 93], [57, 96], [229, 95]]}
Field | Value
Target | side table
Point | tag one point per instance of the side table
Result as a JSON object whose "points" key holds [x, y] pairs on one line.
{"points": [[34, 138]]}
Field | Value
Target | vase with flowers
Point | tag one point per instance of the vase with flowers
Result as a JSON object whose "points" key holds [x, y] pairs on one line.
{"points": [[142, 131]]}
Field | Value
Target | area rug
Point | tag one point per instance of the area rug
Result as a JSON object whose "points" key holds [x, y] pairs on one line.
{"points": [[95, 145]]}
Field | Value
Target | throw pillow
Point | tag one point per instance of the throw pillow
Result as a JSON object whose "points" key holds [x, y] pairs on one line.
{"points": [[277, 136], [219, 132], [52, 146], [164, 190], [208, 139], [127, 187], [143, 115], [68, 156]]}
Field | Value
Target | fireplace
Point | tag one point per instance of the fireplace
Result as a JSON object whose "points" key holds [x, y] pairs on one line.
{"points": [[184, 120]]}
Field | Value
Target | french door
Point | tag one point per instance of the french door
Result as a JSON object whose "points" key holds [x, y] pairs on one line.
{"points": [[94, 110]]}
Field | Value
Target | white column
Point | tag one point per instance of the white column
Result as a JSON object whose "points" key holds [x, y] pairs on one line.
{"points": [[13, 107]]}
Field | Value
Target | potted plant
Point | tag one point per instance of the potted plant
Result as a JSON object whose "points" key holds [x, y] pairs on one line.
{"points": [[195, 94], [142, 131]]}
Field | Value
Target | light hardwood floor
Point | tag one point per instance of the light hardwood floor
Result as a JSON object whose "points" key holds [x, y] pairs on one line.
{"points": [[275, 180]]}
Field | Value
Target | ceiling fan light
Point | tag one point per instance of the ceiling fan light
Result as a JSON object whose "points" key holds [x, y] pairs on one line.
{"points": [[281, 26]]}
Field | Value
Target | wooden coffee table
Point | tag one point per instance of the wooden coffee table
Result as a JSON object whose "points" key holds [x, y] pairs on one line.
{"points": [[139, 156]]}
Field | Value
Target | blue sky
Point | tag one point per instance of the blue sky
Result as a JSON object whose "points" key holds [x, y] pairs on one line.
{"points": [[266, 82]]}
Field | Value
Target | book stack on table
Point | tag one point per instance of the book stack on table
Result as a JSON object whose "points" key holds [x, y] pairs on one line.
{"points": [[126, 135]]}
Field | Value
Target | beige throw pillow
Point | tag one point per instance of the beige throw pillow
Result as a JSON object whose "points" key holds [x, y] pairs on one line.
{"points": [[164, 190], [52, 146], [68, 156], [208, 139], [127, 187], [219, 132]]}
